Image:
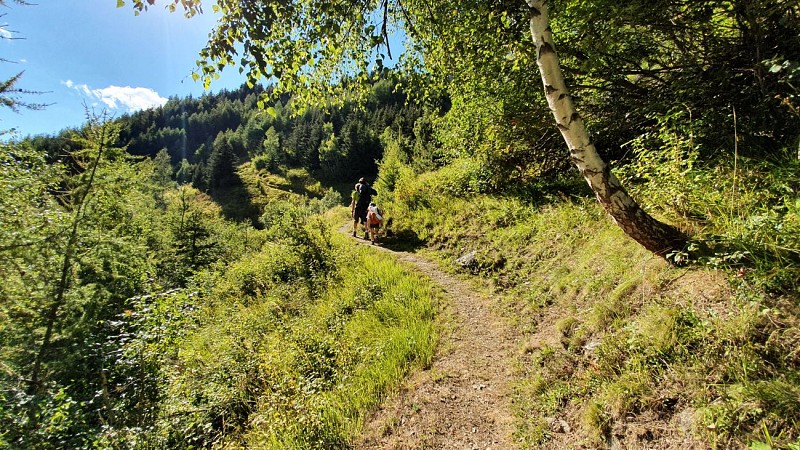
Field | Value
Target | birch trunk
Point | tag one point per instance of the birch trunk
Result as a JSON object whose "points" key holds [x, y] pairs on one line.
{"points": [[655, 236]]}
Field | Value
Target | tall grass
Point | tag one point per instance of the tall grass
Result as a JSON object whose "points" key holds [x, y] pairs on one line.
{"points": [[376, 326], [745, 211]]}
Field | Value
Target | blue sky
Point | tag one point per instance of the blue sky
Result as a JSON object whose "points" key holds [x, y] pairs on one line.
{"points": [[91, 52]]}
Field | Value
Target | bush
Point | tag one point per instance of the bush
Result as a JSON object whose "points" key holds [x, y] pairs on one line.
{"points": [[267, 161], [745, 211]]}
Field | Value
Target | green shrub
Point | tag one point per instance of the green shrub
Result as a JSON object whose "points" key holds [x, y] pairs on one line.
{"points": [[267, 161], [267, 361]]}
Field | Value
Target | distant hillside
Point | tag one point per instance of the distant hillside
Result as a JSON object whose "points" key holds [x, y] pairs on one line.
{"points": [[207, 137]]}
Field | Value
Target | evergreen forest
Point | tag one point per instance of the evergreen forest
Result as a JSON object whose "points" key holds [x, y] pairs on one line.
{"points": [[621, 179]]}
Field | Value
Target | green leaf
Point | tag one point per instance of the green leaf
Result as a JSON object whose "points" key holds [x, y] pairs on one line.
{"points": [[120, 3], [776, 68], [271, 111]]}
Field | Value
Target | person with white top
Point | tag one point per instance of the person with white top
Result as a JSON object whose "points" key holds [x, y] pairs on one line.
{"points": [[374, 221]]}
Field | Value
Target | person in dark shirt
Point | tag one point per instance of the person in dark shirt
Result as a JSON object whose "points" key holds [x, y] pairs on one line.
{"points": [[360, 199]]}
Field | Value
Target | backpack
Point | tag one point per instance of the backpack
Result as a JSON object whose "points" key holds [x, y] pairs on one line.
{"points": [[365, 193], [374, 215]]}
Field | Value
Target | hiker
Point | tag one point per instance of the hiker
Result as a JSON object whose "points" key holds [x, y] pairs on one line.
{"points": [[374, 221], [360, 199]]}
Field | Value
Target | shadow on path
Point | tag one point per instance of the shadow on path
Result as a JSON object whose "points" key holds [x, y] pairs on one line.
{"points": [[403, 241]]}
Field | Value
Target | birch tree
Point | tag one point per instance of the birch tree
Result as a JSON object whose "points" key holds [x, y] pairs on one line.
{"points": [[655, 236]]}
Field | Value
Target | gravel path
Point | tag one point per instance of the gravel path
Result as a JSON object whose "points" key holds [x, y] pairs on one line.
{"points": [[462, 401]]}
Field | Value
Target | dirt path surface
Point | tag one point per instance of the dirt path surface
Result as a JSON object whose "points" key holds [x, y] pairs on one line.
{"points": [[463, 400]]}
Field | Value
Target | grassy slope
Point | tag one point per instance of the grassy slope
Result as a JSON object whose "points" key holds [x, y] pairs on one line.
{"points": [[622, 346], [291, 346]]}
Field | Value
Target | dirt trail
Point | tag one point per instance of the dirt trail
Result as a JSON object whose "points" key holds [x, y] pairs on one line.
{"points": [[463, 400]]}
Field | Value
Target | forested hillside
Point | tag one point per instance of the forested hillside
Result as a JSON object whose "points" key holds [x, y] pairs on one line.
{"points": [[173, 278], [205, 138]]}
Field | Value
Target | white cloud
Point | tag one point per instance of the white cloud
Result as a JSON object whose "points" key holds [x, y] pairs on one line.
{"points": [[5, 34], [115, 97], [133, 98]]}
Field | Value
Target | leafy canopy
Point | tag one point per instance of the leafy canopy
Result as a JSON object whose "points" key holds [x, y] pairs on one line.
{"points": [[306, 47]]}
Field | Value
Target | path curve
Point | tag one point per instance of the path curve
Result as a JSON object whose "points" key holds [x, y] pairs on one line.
{"points": [[463, 400]]}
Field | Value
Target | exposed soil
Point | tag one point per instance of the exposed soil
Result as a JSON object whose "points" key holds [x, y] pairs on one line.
{"points": [[463, 400]]}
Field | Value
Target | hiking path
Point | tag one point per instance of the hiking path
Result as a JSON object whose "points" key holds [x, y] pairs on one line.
{"points": [[463, 400]]}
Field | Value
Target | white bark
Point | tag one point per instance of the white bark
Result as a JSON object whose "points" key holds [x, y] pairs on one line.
{"points": [[652, 234]]}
